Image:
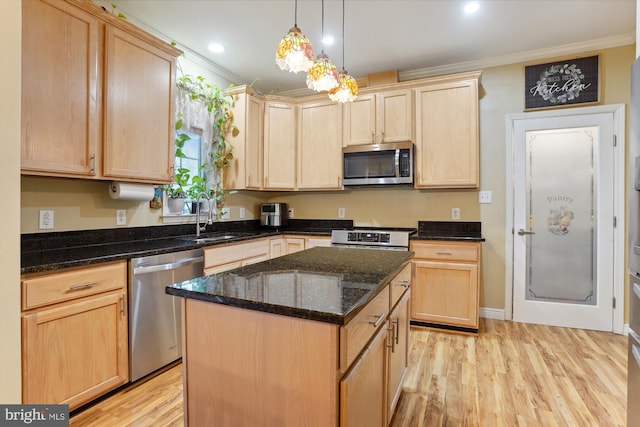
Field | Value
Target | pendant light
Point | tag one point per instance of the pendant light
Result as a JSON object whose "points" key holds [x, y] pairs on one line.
{"points": [[294, 50], [323, 74], [347, 89]]}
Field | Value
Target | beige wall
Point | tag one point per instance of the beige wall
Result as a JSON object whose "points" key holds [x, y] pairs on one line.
{"points": [[85, 205], [10, 24]]}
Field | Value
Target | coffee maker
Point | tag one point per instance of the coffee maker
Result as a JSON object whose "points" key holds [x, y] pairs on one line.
{"points": [[274, 214]]}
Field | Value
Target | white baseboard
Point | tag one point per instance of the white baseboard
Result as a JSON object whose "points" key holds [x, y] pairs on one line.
{"points": [[626, 329], [492, 313]]}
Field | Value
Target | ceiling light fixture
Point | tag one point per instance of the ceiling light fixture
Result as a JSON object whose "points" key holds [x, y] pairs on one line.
{"points": [[294, 50], [323, 74], [471, 7], [216, 48], [347, 89]]}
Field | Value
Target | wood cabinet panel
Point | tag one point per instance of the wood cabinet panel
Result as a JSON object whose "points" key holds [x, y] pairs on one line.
{"points": [[140, 81], [279, 146], [313, 241], [395, 116], [226, 257], [399, 285], [447, 135], [320, 146], [379, 118], [446, 283], [51, 288], [355, 334], [446, 293], [362, 390], [113, 89], [63, 40], [398, 352], [246, 168], [75, 352], [283, 368]]}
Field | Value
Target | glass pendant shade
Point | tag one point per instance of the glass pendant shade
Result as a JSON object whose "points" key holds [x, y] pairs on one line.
{"points": [[347, 89], [294, 52], [323, 74]]}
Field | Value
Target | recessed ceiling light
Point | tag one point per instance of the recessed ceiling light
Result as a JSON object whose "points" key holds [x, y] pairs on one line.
{"points": [[471, 7], [328, 40], [216, 48]]}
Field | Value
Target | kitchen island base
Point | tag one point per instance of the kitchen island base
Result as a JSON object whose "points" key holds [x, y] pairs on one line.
{"points": [[250, 368]]}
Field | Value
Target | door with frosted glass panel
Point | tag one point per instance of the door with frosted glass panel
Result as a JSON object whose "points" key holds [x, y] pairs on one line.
{"points": [[563, 221]]}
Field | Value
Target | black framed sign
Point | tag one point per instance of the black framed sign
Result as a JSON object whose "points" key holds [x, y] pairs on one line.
{"points": [[562, 83]]}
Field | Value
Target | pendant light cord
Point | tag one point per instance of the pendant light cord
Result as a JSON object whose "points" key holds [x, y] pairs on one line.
{"points": [[322, 28], [343, 35], [295, 17]]}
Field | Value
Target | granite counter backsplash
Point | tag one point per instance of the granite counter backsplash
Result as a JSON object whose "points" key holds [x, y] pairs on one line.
{"points": [[55, 250], [449, 230]]}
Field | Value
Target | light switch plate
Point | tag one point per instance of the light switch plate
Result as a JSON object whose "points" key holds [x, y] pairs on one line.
{"points": [[225, 213], [341, 212], [455, 213], [243, 213], [484, 196]]}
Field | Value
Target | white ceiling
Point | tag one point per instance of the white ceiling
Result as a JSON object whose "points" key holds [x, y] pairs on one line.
{"points": [[431, 36]]}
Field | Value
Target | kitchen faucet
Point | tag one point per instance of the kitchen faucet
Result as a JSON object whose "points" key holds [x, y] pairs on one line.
{"points": [[209, 219]]}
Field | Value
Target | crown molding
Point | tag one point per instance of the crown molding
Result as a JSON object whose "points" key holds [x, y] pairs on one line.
{"points": [[520, 57]]}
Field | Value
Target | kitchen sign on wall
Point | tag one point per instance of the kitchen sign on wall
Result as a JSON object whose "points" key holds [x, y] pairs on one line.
{"points": [[562, 83]]}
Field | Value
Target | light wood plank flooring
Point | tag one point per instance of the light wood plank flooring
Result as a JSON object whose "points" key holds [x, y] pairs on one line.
{"points": [[512, 374]]}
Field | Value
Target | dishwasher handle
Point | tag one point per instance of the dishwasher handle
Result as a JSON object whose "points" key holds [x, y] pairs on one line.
{"points": [[152, 268]]}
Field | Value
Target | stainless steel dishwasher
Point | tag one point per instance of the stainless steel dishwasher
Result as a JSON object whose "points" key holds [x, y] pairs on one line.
{"points": [[155, 318]]}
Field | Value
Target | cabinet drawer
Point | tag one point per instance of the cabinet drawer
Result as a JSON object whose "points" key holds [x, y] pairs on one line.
{"points": [[227, 254], [357, 333], [51, 288], [399, 285], [449, 251]]}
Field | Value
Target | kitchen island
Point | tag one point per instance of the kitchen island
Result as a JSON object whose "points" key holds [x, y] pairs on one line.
{"points": [[315, 338]]}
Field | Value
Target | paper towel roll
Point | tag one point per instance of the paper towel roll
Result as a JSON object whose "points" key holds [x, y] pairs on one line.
{"points": [[131, 191]]}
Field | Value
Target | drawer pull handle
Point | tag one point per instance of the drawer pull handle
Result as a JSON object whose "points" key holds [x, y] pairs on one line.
{"points": [[377, 322], [403, 283], [82, 286], [444, 253], [636, 289]]}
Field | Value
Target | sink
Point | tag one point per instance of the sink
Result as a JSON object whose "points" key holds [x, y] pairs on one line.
{"points": [[210, 239]]}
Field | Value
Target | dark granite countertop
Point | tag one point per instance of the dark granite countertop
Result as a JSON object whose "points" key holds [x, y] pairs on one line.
{"points": [[51, 251], [449, 231], [324, 284]]}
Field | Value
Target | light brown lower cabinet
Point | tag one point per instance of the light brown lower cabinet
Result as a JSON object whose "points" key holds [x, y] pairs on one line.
{"points": [[398, 353], [75, 342], [221, 258], [280, 246], [446, 284]]}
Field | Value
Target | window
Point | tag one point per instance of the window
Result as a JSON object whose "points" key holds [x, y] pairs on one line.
{"points": [[192, 151]]}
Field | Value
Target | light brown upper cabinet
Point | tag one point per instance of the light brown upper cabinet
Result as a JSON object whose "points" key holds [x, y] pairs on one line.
{"points": [[320, 146], [279, 146], [447, 139], [377, 118], [246, 168], [97, 95]]}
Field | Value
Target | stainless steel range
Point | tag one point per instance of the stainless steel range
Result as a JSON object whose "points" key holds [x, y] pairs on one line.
{"points": [[396, 239]]}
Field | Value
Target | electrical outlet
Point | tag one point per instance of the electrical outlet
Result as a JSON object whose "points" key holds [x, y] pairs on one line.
{"points": [[484, 197], [340, 212], [121, 217], [225, 213], [243, 213], [290, 212], [46, 220], [455, 213]]}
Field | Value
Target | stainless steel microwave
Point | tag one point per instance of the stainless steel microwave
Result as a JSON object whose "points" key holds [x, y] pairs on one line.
{"points": [[378, 164]]}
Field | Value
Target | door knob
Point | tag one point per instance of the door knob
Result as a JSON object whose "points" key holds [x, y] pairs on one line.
{"points": [[522, 232]]}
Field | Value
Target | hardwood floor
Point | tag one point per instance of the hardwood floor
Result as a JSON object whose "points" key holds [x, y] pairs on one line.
{"points": [[512, 374]]}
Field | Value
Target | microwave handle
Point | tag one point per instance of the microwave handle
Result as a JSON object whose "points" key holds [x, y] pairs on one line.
{"points": [[397, 162]]}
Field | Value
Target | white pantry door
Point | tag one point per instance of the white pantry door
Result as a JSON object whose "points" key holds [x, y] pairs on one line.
{"points": [[563, 221]]}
